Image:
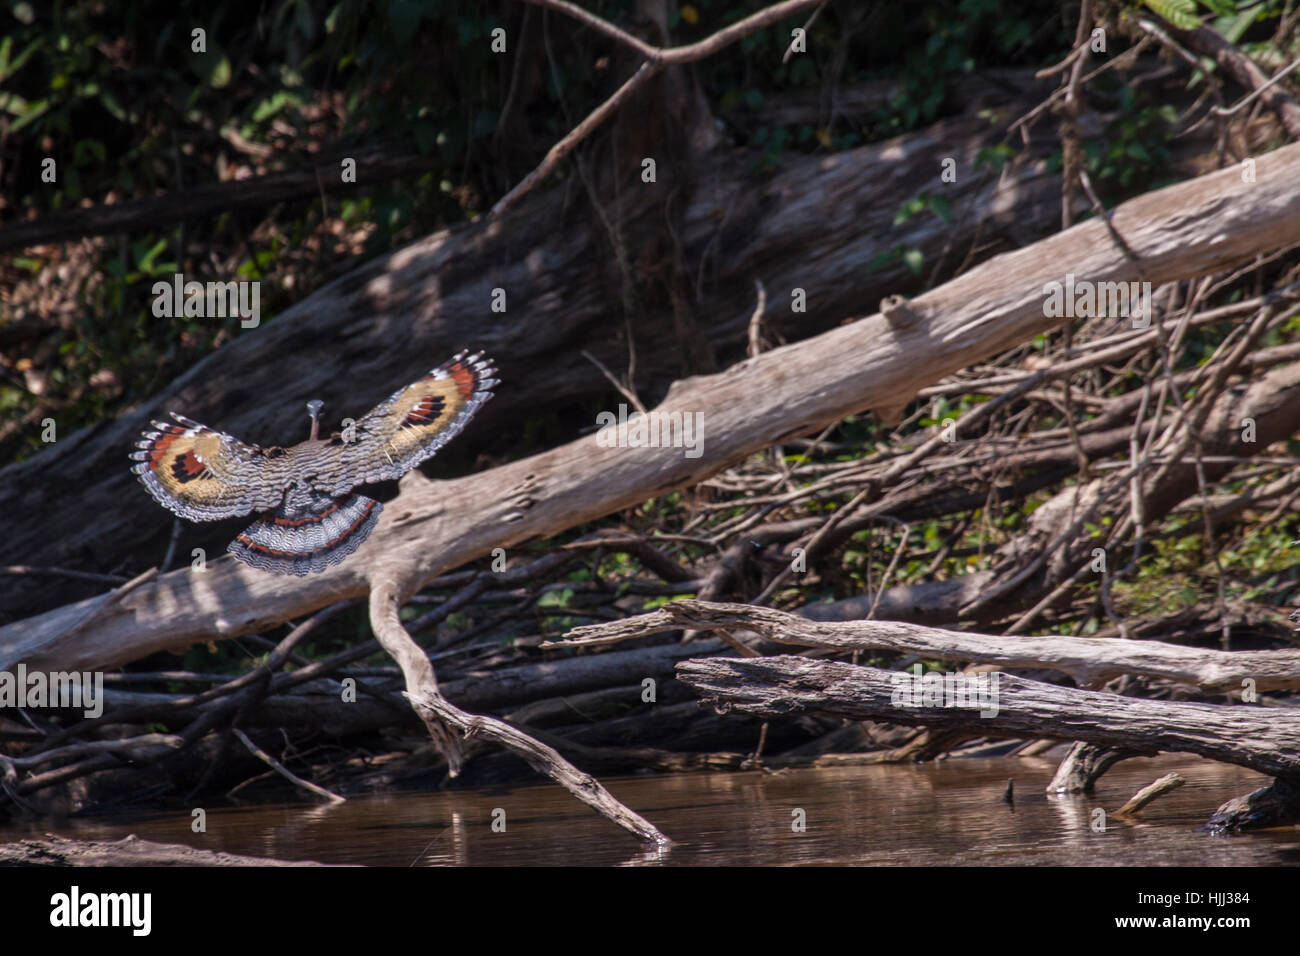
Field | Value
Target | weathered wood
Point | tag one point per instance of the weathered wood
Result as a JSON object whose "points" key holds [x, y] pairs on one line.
{"points": [[1083, 766], [1090, 661], [1152, 791], [1186, 230], [773, 687], [1276, 805], [449, 726]]}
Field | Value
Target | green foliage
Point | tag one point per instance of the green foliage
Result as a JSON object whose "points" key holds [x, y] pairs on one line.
{"points": [[1181, 13], [1134, 156], [558, 599]]}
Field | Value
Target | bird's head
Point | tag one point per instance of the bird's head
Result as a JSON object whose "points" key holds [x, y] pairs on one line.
{"points": [[313, 409]]}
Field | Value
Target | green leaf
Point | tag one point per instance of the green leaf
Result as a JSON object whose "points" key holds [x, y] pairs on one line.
{"points": [[212, 67], [558, 598], [13, 103], [9, 67], [1181, 13], [332, 18], [941, 207], [1235, 26], [33, 111], [112, 106]]}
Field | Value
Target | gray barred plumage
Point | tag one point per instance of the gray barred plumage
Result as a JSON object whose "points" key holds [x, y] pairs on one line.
{"points": [[308, 520]]}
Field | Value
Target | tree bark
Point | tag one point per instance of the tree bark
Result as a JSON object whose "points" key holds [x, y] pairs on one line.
{"points": [[772, 687], [1091, 662]]}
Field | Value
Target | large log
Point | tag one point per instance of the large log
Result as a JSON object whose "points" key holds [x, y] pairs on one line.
{"points": [[772, 687], [1090, 661], [1204, 226]]}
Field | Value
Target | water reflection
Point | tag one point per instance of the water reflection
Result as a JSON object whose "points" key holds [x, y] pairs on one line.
{"points": [[951, 813]]}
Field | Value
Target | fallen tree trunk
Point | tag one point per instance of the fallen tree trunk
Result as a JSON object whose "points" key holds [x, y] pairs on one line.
{"points": [[1190, 229], [1090, 661], [499, 689], [811, 225], [775, 687]]}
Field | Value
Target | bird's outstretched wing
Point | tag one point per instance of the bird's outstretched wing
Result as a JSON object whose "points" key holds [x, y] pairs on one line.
{"points": [[206, 475], [410, 425]]}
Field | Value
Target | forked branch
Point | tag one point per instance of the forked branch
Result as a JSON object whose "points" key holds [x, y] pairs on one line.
{"points": [[449, 726]]}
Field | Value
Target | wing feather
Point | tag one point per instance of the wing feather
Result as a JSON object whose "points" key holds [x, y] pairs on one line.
{"points": [[203, 474], [411, 425]]}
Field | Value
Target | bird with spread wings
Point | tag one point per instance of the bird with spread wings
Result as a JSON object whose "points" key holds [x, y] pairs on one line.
{"points": [[308, 517]]}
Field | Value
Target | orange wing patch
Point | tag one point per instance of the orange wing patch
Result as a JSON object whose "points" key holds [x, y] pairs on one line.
{"points": [[308, 518], [201, 474], [412, 424], [465, 381]]}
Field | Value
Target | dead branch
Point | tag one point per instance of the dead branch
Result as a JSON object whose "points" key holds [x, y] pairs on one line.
{"points": [[1084, 765], [1209, 42], [1090, 661], [1152, 791], [284, 771], [773, 687], [444, 720], [656, 60]]}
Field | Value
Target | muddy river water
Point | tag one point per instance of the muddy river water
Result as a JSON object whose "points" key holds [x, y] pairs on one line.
{"points": [[949, 813]]}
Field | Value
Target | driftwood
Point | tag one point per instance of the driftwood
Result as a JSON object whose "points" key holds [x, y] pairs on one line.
{"points": [[445, 721], [1271, 806], [1264, 740], [1152, 791], [1106, 728], [1090, 661], [1186, 230]]}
